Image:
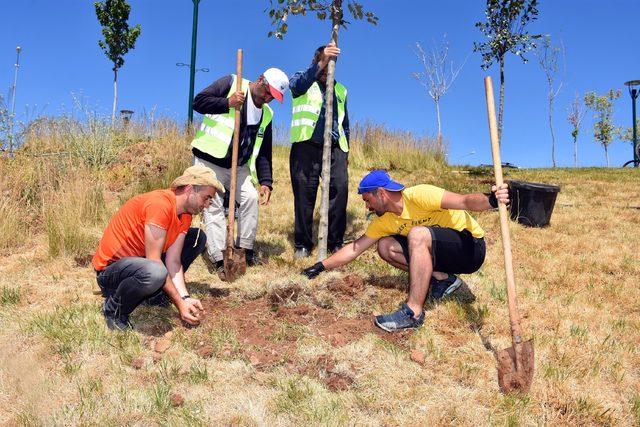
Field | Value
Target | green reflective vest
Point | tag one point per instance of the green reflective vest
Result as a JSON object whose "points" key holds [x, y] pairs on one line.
{"points": [[216, 132], [306, 110]]}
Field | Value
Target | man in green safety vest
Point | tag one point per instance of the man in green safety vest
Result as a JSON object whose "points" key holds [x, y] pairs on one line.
{"points": [[305, 162], [212, 147]]}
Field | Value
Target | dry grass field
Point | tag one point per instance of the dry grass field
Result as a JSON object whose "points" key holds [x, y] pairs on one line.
{"points": [[277, 349]]}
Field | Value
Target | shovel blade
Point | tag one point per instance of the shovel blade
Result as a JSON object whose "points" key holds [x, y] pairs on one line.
{"points": [[235, 263], [515, 368]]}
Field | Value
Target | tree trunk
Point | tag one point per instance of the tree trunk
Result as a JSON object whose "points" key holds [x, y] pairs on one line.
{"points": [[575, 152], [606, 154], [323, 226], [501, 108], [439, 124], [553, 136], [115, 96]]}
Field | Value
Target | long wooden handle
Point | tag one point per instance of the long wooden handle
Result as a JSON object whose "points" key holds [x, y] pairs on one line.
{"points": [[234, 156], [514, 317]]}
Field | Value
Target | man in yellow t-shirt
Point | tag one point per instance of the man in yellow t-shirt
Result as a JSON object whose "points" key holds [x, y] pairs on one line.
{"points": [[424, 230]]}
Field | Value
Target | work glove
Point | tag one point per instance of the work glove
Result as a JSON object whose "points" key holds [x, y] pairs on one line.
{"points": [[314, 270]]}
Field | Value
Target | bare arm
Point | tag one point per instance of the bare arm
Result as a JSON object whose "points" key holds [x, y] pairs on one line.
{"points": [[349, 252], [154, 240], [174, 266], [473, 202]]}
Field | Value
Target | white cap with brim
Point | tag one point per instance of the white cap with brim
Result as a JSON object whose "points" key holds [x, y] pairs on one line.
{"points": [[278, 82]]}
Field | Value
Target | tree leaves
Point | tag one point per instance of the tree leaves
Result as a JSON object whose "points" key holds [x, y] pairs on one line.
{"points": [[602, 106], [279, 11], [505, 29], [118, 37]]}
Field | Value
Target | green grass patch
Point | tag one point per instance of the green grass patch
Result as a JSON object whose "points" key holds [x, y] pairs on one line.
{"points": [[76, 328], [308, 402], [10, 296]]}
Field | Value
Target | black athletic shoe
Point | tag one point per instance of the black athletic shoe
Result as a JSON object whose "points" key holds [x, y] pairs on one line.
{"points": [[115, 320], [252, 258], [160, 299], [440, 289]]}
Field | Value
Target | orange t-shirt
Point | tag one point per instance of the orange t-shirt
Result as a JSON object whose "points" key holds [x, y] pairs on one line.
{"points": [[124, 236]]}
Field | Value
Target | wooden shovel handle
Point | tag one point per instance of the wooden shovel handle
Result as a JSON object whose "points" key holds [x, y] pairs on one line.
{"points": [[514, 318], [234, 156]]}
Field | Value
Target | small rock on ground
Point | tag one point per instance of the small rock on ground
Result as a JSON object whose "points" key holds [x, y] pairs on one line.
{"points": [[176, 400], [205, 352], [137, 363], [162, 345], [417, 356]]}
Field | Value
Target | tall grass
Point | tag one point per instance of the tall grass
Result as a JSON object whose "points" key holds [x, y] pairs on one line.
{"points": [[11, 225], [71, 214], [376, 147], [63, 179], [373, 146]]}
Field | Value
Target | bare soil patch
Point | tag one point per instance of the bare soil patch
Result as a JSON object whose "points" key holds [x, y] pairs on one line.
{"points": [[269, 330]]}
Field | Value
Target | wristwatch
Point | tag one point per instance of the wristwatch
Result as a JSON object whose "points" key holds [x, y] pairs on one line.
{"points": [[184, 297]]}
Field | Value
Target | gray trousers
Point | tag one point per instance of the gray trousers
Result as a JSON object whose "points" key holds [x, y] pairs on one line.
{"points": [[215, 223]]}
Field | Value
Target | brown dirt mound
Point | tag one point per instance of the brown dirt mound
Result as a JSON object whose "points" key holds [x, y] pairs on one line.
{"points": [[283, 296], [351, 285], [268, 332]]}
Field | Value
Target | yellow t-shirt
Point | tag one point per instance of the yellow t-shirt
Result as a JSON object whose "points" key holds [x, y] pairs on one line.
{"points": [[422, 207]]}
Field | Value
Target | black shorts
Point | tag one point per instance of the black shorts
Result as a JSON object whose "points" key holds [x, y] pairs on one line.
{"points": [[452, 251]]}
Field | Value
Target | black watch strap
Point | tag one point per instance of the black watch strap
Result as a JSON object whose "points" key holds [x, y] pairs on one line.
{"points": [[184, 297]]}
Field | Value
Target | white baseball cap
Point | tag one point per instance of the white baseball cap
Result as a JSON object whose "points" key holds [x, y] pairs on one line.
{"points": [[278, 82]]}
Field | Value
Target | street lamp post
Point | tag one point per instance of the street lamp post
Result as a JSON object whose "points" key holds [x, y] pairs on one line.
{"points": [[192, 66], [13, 99], [631, 84]]}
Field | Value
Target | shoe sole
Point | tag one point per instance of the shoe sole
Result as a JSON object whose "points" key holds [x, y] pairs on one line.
{"points": [[453, 287], [384, 328]]}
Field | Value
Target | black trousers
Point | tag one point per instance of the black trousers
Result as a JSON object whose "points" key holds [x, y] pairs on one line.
{"points": [[305, 166], [129, 281]]}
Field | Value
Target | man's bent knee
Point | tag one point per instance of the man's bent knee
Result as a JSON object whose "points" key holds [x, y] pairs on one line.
{"points": [[419, 236], [156, 275], [249, 197], [384, 247]]}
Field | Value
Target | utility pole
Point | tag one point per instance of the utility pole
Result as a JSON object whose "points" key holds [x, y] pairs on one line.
{"points": [[192, 66], [13, 99], [632, 84]]}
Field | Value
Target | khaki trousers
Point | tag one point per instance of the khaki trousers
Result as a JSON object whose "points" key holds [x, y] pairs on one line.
{"points": [[215, 222]]}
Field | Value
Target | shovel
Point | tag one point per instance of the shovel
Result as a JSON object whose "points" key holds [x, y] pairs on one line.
{"points": [[235, 263], [515, 363]]}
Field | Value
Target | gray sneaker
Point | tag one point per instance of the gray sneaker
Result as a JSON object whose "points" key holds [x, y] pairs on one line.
{"points": [[399, 320]]}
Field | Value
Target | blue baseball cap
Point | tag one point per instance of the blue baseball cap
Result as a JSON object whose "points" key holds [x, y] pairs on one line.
{"points": [[378, 179]]}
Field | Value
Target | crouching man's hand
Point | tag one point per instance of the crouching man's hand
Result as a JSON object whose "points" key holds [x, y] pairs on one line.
{"points": [[190, 311], [502, 193], [314, 270], [499, 195]]}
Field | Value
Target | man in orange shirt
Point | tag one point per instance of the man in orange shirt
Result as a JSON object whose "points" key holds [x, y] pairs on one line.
{"points": [[148, 246]]}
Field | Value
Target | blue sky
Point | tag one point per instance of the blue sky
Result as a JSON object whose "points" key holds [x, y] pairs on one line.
{"points": [[61, 57]]}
